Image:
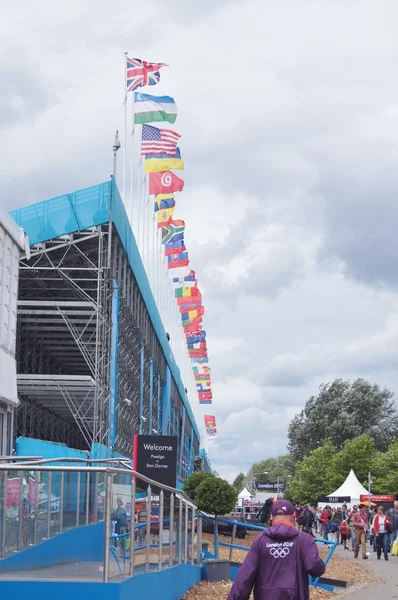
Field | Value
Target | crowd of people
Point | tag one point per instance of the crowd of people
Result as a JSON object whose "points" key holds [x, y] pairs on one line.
{"points": [[352, 527]]}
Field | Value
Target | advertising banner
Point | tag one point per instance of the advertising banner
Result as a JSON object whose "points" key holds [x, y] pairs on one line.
{"points": [[377, 497], [269, 486], [210, 424], [13, 488], [334, 499], [155, 456]]}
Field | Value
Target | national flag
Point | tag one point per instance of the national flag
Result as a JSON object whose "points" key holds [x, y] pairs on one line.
{"points": [[186, 281], [174, 261], [191, 322], [191, 329], [210, 422], [151, 109], [197, 346], [174, 248], [159, 141], [174, 232], [197, 353], [186, 292], [197, 371], [203, 388], [165, 183], [193, 313], [165, 216], [184, 308], [156, 163], [164, 201], [189, 300], [205, 396], [140, 73], [194, 338]]}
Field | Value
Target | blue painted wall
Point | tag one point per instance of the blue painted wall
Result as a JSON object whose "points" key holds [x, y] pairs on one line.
{"points": [[30, 447], [84, 544], [170, 584]]}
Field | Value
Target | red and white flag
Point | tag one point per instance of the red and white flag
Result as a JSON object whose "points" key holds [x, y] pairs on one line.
{"points": [[165, 183]]}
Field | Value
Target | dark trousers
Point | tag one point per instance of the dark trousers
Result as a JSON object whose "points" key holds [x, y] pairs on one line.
{"points": [[382, 544]]}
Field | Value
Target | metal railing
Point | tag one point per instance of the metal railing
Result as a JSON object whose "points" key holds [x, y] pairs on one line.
{"points": [[40, 500]]}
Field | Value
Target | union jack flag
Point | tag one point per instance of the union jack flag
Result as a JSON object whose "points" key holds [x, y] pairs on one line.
{"points": [[140, 73]]}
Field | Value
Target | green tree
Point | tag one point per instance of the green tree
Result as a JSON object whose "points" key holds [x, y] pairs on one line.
{"points": [[343, 411], [313, 475], [385, 471], [215, 496], [358, 454], [239, 482], [193, 482], [271, 469]]}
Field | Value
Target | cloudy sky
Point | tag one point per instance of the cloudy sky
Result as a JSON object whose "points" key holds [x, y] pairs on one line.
{"points": [[289, 116]]}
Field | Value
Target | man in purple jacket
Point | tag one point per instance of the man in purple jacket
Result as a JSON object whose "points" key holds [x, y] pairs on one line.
{"points": [[279, 561]]}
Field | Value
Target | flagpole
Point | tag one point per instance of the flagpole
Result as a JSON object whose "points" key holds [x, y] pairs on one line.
{"points": [[132, 167], [125, 128]]}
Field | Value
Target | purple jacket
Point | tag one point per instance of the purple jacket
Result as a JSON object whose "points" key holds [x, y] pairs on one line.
{"points": [[271, 566]]}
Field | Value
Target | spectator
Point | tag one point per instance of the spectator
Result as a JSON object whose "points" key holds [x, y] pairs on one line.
{"points": [[279, 561], [381, 525], [392, 513], [360, 521], [324, 521]]}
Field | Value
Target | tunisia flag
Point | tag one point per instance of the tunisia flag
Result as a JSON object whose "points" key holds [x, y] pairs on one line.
{"points": [[165, 183]]}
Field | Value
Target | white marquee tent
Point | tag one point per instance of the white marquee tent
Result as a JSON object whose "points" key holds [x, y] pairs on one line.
{"points": [[351, 487], [244, 495]]}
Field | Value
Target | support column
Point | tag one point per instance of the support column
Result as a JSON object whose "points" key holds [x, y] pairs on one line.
{"points": [[142, 367], [166, 402], [114, 367]]}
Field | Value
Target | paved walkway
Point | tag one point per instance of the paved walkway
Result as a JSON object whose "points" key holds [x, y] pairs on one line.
{"points": [[385, 573]]}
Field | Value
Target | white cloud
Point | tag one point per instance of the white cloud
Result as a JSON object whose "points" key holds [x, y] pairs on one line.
{"points": [[289, 118]]}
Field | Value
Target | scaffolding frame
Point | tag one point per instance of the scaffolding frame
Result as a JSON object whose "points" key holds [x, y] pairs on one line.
{"points": [[64, 330]]}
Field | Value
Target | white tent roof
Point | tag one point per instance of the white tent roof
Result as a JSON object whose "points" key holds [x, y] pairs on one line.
{"points": [[244, 494], [351, 487]]}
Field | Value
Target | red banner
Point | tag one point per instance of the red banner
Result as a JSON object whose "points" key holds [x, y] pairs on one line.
{"points": [[377, 497]]}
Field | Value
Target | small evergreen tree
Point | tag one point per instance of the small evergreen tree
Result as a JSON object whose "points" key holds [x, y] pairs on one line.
{"points": [[217, 497], [193, 482]]}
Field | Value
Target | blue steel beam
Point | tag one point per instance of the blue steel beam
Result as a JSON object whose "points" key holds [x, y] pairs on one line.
{"points": [[158, 423], [114, 367], [142, 366], [166, 402], [150, 395]]}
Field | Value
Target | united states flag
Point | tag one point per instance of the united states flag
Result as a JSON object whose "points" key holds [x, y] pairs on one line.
{"points": [[140, 73], [159, 141]]}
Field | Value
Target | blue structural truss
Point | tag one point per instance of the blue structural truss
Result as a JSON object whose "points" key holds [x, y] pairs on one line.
{"points": [[88, 324]]}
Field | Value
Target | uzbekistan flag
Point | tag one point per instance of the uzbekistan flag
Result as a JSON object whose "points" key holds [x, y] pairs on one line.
{"points": [[154, 109]]}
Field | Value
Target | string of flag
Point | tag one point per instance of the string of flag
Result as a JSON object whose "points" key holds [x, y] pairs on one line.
{"points": [[161, 154]]}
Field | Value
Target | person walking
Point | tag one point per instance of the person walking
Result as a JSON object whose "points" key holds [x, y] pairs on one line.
{"points": [[392, 513], [324, 521], [381, 525], [279, 561], [352, 528], [360, 521]]}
